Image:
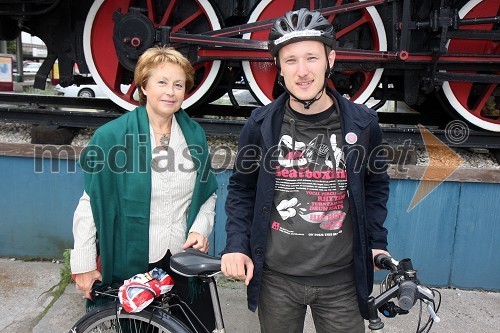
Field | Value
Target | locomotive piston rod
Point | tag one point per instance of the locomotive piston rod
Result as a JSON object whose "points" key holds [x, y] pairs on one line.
{"points": [[219, 44]]}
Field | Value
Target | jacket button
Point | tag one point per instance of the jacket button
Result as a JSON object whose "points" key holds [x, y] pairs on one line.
{"points": [[265, 210], [258, 252]]}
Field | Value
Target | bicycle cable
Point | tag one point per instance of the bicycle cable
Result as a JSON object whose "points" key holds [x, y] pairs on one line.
{"points": [[429, 322]]}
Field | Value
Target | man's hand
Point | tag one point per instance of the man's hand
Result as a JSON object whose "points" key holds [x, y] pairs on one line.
{"points": [[197, 242], [238, 266], [374, 254], [85, 281]]}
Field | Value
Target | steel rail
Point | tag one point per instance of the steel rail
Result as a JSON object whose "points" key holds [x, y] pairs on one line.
{"points": [[76, 118], [394, 134], [50, 116], [51, 100], [92, 112]]}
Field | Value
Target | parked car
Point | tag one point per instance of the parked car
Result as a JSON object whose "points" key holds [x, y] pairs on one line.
{"points": [[31, 67], [83, 90]]}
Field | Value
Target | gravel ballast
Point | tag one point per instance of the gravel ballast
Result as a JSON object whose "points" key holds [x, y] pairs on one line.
{"points": [[21, 133]]}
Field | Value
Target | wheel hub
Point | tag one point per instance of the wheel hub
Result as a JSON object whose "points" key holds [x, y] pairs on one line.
{"points": [[132, 35]]}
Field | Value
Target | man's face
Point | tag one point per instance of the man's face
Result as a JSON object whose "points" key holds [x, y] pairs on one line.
{"points": [[303, 66]]}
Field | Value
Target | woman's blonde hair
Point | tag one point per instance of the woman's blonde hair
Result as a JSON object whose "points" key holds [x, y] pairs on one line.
{"points": [[155, 57]]}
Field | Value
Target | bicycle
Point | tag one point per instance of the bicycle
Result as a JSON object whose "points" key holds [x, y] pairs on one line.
{"points": [[401, 282], [157, 317]]}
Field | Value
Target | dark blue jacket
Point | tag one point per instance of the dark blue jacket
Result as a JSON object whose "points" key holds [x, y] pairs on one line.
{"points": [[251, 190]]}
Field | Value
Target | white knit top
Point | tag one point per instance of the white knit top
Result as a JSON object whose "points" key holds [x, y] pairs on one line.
{"points": [[172, 182]]}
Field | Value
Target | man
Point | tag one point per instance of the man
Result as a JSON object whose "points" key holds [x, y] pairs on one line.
{"points": [[307, 200]]}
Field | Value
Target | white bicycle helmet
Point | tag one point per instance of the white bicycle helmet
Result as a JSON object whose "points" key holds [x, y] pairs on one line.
{"points": [[300, 25]]}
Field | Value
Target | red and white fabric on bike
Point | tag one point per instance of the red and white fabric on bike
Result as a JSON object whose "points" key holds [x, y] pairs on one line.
{"points": [[140, 290]]}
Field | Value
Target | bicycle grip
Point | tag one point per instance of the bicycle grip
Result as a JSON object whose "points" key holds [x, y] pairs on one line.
{"points": [[383, 261], [407, 295]]}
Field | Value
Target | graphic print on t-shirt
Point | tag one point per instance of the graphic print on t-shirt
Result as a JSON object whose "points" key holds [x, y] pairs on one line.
{"points": [[311, 185]]}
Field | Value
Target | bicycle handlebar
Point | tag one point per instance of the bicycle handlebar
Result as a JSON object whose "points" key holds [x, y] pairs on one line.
{"points": [[401, 283]]}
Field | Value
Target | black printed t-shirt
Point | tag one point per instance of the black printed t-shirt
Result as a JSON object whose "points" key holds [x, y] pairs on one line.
{"points": [[310, 234]]}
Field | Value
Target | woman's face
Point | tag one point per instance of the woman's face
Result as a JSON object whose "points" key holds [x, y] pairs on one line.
{"points": [[165, 89]]}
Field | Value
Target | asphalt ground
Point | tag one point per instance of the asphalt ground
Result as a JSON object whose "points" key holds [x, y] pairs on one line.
{"points": [[27, 305]]}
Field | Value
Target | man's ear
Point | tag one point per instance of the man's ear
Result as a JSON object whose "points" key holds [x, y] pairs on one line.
{"points": [[278, 66], [331, 58]]}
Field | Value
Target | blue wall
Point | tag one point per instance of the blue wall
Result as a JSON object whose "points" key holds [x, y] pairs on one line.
{"points": [[36, 208], [452, 236]]}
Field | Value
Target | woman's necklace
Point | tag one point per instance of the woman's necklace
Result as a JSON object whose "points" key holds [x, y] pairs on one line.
{"points": [[165, 139]]}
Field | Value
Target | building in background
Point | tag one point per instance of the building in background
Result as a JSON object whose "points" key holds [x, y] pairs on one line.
{"points": [[33, 48]]}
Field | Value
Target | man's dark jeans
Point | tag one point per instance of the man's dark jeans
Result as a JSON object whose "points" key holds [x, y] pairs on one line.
{"points": [[283, 304]]}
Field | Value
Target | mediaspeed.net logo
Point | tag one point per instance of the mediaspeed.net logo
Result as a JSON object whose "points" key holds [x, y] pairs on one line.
{"points": [[443, 161]]}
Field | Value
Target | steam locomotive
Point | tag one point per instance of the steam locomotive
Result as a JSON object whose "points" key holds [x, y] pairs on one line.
{"points": [[440, 57]]}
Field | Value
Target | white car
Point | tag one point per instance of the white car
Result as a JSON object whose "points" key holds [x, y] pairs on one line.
{"points": [[83, 90], [31, 67]]}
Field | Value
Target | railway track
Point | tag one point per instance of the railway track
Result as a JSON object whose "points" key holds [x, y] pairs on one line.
{"points": [[58, 111]]}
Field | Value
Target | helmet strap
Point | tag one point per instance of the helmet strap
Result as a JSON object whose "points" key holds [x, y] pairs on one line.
{"points": [[307, 103]]}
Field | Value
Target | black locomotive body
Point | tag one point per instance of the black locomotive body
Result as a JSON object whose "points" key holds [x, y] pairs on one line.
{"points": [[441, 57]]}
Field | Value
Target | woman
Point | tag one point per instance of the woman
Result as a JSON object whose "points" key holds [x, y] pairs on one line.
{"points": [[149, 191]]}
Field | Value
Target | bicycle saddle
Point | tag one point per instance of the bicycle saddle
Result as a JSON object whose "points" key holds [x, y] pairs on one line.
{"points": [[192, 262]]}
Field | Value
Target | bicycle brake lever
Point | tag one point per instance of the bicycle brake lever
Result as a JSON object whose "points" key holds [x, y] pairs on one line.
{"points": [[431, 311], [425, 292]]}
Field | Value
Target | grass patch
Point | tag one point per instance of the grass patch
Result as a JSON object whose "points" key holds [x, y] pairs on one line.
{"points": [[225, 282], [59, 288], [49, 90], [34, 259], [66, 269]]}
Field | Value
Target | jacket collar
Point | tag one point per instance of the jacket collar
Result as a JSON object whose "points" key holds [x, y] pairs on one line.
{"points": [[354, 117], [352, 113], [271, 117]]}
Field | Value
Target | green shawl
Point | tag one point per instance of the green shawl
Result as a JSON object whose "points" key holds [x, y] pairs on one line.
{"points": [[117, 177]]}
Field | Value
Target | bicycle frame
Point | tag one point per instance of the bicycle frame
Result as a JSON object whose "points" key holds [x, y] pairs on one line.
{"points": [[165, 303], [219, 322], [192, 263], [401, 283]]}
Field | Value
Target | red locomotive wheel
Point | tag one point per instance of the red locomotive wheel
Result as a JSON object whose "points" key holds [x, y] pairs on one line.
{"points": [[111, 69], [477, 103], [364, 26]]}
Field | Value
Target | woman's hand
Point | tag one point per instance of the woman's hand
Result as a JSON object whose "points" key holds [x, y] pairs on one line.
{"points": [[85, 281], [197, 242]]}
